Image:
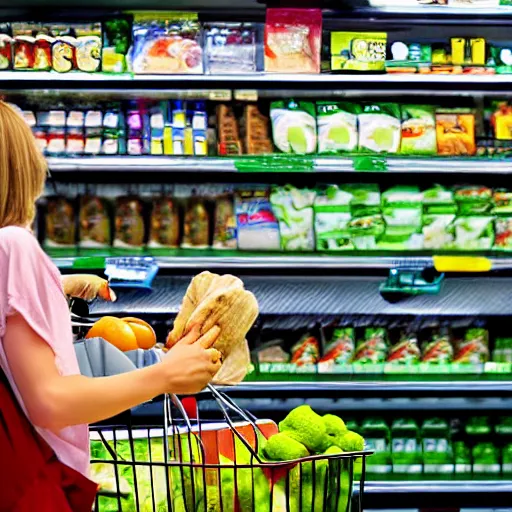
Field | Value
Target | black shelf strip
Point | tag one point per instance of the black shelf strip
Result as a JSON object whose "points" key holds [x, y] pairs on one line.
{"points": [[329, 296]]}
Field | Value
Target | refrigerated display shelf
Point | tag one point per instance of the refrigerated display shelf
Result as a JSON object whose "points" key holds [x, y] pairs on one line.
{"points": [[215, 259], [328, 296], [275, 163], [450, 83]]}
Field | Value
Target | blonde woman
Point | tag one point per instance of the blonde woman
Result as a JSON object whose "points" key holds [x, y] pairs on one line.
{"points": [[45, 404]]}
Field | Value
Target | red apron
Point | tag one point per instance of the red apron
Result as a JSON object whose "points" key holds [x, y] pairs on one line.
{"points": [[32, 479]]}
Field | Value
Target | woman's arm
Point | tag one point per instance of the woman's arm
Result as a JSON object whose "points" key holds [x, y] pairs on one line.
{"points": [[54, 401]]}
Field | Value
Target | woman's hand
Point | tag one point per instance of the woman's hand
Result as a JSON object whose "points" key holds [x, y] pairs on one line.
{"points": [[192, 363], [87, 287]]}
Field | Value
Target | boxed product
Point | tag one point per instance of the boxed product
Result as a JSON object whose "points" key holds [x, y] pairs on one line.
{"points": [[418, 130], [167, 43], [228, 131], [257, 225], [455, 129], [332, 217], [117, 39], [337, 126], [230, 48], [358, 51], [292, 40], [294, 126], [256, 128], [293, 208], [402, 210], [380, 128]]}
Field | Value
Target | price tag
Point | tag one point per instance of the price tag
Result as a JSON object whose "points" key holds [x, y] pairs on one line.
{"points": [[462, 264], [246, 95], [220, 95]]}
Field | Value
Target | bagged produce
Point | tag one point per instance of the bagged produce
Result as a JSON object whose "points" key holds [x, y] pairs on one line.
{"points": [[257, 226], [219, 300], [332, 217], [293, 208], [373, 348], [439, 212], [473, 348], [294, 126], [337, 126], [455, 132], [418, 130], [379, 128]]}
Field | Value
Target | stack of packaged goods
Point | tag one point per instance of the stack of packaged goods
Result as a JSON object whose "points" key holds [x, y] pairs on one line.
{"points": [[475, 448], [389, 353]]}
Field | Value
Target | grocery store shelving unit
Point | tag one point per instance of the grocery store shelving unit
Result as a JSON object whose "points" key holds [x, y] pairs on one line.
{"points": [[312, 285]]}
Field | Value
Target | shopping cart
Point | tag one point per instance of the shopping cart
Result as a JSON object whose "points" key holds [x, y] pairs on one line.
{"points": [[191, 465]]}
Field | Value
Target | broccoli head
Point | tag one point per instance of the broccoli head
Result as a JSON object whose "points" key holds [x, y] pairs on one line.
{"points": [[306, 427], [281, 447], [333, 450], [334, 425], [349, 442]]}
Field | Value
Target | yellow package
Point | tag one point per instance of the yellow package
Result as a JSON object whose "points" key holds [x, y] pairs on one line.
{"points": [[455, 133]]}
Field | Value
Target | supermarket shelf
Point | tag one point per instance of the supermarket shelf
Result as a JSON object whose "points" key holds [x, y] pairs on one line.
{"points": [[175, 164], [427, 494], [449, 84], [374, 388], [218, 260], [329, 296]]}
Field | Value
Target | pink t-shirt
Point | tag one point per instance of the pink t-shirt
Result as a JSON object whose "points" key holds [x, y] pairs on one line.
{"points": [[30, 285]]}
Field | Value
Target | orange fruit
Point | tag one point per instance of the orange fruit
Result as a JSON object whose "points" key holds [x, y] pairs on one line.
{"points": [[115, 331], [144, 333]]}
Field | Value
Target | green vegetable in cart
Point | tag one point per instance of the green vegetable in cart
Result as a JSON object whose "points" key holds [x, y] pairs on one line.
{"points": [[282, 447], [337, 126], [294, 126], [418, 130], [350, 442], [334, 426], [307, 427], [379, 128]]}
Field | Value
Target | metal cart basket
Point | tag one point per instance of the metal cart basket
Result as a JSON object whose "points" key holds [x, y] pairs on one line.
{"points": [[189, 465]]}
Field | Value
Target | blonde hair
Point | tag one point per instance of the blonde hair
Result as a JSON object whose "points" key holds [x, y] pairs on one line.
{"points": [[23, 169]]}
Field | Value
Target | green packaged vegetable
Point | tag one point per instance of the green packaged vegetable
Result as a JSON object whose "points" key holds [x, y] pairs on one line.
{"points": [[294, 126], [117, 37], [332, 217], [473, 200], [380, 128], [366, 231], [474, 233], [373, 348], [418, 130], [337, 126], [439, 211], [293, 208], [403, 213]]}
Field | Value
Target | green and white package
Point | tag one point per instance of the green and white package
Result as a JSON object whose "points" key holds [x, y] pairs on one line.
{"points": [[294, 126], [366, 231], [474, 233], [365, 199], [439, 211], [293, 209], [402, 210], [337, 126], [418, 130], [332, 217], [380, 128]]}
